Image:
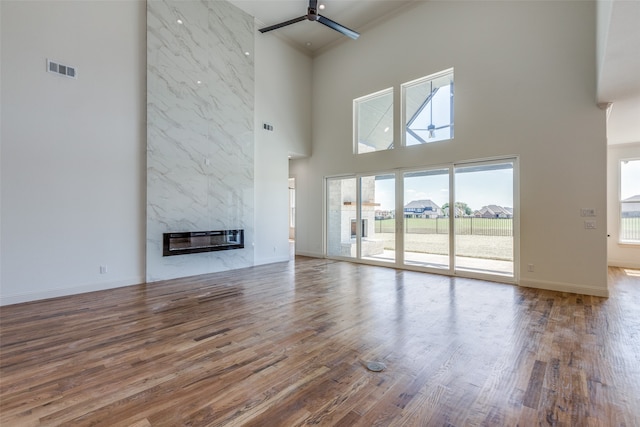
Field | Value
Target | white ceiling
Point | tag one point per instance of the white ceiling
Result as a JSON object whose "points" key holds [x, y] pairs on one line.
{"points": [[356, 15], [619, 77]]}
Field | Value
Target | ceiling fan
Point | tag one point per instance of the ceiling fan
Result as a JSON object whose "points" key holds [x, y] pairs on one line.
{"points": [[312, 15]]}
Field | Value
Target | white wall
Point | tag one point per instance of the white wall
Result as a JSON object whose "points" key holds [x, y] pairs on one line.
{"points": [[619, 255], [72, 150], [525, 76], [283, 100], [604, 11]]}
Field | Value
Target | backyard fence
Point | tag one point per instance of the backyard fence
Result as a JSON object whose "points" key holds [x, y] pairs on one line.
{"points": [[463, 226], [630, 229]]}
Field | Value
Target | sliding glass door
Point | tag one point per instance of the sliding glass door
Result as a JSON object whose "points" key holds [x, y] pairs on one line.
{"points": [[426, 218], [458, 219], [377, 218], [341, 214], [484, 218]]}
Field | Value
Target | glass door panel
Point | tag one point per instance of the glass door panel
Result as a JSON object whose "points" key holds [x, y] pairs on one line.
{"points": [[377, 217], [484, 218], [426, 218], [341, 217]]}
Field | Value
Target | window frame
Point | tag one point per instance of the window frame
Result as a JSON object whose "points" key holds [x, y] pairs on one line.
{"points": [[622, 241], [356, 119], [403, 114]]}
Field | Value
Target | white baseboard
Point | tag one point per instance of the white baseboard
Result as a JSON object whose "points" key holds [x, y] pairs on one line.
{"points": [[623, 264], [271, 260], [61, 292], [566, 287], [310, 254]]}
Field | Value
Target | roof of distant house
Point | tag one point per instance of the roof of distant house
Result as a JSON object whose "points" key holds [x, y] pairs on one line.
{"points": [[494, 210], [421, 204]]}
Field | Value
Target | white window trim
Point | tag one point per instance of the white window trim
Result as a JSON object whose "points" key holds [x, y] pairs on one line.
{"points": [[403, 112], [619, 204], [356, 118]]}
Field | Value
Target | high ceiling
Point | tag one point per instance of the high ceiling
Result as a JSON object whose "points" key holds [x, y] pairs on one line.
{"points": [[619, 80], [312, 37]]}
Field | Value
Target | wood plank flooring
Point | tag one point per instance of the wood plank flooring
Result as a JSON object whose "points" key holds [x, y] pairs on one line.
{"points": [[286, 345]]}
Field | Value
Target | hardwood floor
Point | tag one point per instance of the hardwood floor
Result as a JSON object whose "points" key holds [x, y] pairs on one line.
{"points": [[286, 344]]}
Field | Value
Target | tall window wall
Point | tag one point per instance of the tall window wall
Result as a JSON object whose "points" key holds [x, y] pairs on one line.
{"points": [[455, 218], [458, 219]]}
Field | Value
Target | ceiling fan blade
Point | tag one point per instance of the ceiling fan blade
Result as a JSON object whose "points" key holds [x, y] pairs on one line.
{"points": [[339, 28], [282, 24], [313, 4]]}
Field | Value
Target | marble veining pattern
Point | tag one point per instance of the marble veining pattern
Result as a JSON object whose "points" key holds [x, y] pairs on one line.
{"points": [[200, 97]]}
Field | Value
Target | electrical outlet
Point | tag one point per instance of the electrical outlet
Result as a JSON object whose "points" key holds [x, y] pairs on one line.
{"points": [[103, 269], [530, 268], [590, 224]]}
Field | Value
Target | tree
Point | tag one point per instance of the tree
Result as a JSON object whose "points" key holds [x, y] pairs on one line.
{"points": [[460, 205]]}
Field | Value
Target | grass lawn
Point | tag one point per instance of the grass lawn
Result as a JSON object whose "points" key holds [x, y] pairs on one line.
{"points": [[487, 247]]}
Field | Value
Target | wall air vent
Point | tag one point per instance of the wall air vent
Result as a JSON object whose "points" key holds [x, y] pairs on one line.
{"points": [[61, 69]]}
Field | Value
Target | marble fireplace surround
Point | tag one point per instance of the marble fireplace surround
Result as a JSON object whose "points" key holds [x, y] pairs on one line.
{"points": [[200, 136]]}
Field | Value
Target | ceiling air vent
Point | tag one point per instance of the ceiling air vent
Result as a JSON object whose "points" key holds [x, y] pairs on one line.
{"points": [[61, 69]]}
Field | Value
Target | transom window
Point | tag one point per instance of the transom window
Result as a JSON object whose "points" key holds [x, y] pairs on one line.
{"points": [[428, 109], [373, 117], [427, 114]]}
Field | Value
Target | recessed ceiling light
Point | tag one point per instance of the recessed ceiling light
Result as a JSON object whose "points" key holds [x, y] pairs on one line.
{"points": [[246, 53], [179, 21], [198, 82], [386, 129], [308, 44], [321, 7]]}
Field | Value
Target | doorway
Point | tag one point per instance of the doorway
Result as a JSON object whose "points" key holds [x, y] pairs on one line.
{"points": [[292, 217]]}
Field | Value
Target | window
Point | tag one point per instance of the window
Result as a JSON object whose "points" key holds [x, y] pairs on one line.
{"points": [[373, 117], [341, 209], [428, 109], [426, 218], [483, 225], [427, 114], [630, 201], [354, 229]]}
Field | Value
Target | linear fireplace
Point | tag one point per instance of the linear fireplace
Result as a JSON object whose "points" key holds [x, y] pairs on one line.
{"points": [[191, 242]]}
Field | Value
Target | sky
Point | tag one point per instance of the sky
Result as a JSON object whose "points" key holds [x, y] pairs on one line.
{"points": [[476, 189]]}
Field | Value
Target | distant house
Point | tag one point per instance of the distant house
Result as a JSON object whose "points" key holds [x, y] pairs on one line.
{"points": [[631, 207], [494, 211], [422, 209], [380, 214]]}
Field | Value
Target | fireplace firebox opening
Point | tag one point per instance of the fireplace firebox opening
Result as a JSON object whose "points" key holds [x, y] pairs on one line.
{"points": [[191, 242]]}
